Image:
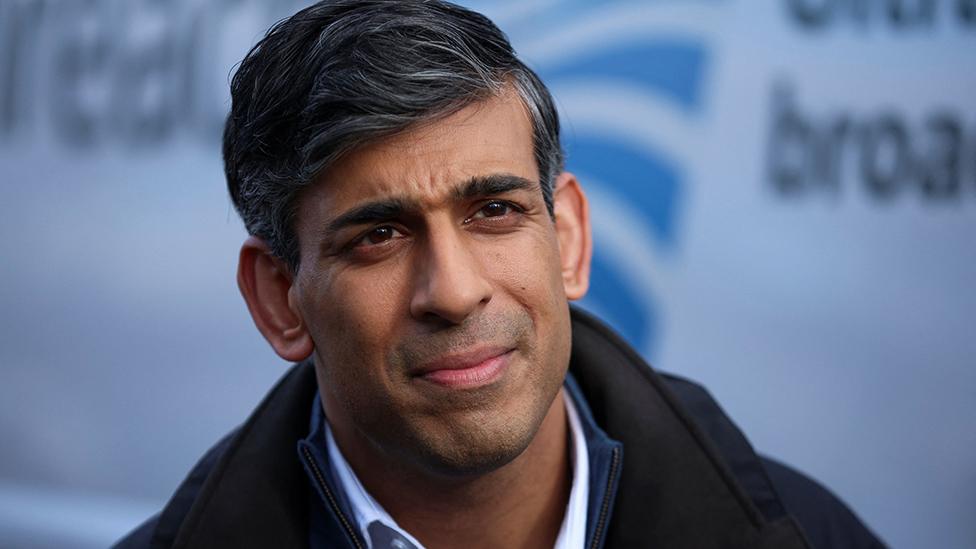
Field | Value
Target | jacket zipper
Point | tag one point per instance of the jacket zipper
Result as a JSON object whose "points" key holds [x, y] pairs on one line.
{"points": [[332, 502], [605, 507]]}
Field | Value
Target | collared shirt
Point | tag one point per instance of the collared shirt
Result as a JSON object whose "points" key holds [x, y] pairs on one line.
{"points": [[572, 532]]}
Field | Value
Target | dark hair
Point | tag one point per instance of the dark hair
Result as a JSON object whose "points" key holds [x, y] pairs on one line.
{"points": [[341, 73]]}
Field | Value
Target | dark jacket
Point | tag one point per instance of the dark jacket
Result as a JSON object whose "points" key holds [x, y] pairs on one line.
{"points": [[689, 477]]}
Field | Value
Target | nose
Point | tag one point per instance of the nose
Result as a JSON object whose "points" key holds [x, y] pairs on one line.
{"points": [[450, 282]]}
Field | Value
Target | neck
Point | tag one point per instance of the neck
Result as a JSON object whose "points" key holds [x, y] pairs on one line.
{"points": [[520, 504]]}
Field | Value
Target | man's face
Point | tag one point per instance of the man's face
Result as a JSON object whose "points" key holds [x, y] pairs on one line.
{"points": [[432, 289]]}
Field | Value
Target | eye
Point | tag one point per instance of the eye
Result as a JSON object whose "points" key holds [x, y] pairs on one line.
{"points": [[379, 235], [494, 208]]}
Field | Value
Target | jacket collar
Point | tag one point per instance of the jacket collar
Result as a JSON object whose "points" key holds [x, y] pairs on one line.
{"points": [[605, 456], [674, 489]]}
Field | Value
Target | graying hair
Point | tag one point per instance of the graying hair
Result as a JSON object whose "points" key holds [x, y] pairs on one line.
{"points": [[342, 73]]}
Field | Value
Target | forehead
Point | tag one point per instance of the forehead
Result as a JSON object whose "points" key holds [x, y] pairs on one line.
{"points": [[425, 163]]}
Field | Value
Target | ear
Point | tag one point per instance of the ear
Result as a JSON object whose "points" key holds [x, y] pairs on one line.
{"points": [[573, 232], [265, 281]]}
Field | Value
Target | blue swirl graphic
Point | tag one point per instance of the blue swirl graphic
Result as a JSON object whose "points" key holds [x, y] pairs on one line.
{"points": [[648, 180], [672, 69]]}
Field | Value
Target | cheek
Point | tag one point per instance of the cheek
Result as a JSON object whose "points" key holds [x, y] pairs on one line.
{"points": [[351, 321], [534, 282], [531, 274], [353, 326]]}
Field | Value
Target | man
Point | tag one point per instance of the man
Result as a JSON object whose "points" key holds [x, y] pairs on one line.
{"points": [[414, 245]]}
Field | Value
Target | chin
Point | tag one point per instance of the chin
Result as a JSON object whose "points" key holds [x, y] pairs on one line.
{"points": [[474, 461], [481, 448]]}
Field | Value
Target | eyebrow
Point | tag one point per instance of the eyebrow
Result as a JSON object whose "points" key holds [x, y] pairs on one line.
{"points": [[488, 185], [393, 208], [370, 212]]}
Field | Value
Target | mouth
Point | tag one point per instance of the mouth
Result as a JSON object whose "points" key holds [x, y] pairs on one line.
{"points": [[467, 370]]}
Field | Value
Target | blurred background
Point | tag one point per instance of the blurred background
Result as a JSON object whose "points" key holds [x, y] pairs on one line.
{"points": [[784, 200]]}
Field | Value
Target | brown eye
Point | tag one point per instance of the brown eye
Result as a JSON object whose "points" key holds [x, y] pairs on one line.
{"points": [[379, 235], [495, 209], [497, 214]]}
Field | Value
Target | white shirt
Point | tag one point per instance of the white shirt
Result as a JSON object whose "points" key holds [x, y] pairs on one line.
{"points": [[572, 533]]}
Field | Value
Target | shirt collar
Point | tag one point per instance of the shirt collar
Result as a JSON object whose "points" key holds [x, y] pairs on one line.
{"points": [[572, 533], [365, 509]]}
